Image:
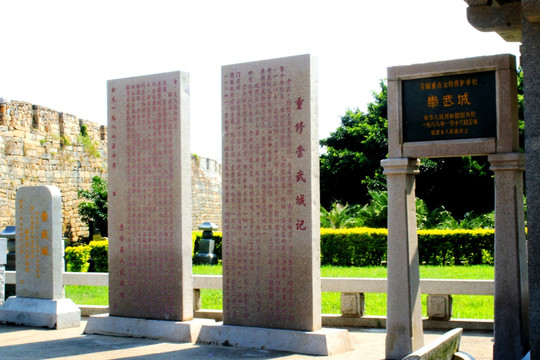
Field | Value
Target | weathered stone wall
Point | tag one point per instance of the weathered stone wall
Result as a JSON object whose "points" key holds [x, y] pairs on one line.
{"points": [[40, 146]]}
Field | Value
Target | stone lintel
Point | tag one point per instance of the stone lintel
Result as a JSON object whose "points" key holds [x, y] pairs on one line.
{"points": [[177, 331], [507, 162], [53, 314], [325, 341], [504, 19]]}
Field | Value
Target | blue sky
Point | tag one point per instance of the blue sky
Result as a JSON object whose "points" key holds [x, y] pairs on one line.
{"points": [[60, 54]]}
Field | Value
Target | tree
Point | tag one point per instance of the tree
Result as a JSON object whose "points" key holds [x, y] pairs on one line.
{"points": [[351, 164], [94, 212], [350, 167]]}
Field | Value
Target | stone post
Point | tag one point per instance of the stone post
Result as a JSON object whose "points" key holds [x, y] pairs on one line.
{"points": [[511, 290], [530, 58], [404, 333], [3, 252]]}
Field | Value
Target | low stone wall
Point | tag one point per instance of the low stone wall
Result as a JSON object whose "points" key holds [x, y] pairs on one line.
{"points": [[41, 146]]}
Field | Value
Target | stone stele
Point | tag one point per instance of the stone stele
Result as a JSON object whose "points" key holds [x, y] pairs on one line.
{"points": [[40, 294], [149, 181], [271, 237]]}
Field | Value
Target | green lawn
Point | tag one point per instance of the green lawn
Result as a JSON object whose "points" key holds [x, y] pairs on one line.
{"points": [[464, 306]]}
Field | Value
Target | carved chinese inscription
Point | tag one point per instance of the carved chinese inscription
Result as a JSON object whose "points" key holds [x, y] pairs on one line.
{"points": [[270, 195], [450, 107], [150, 197], [39, 242]]}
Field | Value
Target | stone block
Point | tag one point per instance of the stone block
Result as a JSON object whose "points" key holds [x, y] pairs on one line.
{"points": [[178, 331], [439, 307], [324, 342], [196, 299], [352, 304], [50, 313]]}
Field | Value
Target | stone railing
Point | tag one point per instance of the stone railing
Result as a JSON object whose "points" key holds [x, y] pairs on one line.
{"points": [[352, 291]]}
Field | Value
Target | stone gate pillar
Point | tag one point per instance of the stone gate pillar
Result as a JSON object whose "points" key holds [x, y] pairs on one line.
{"points": [[404, 333], [511, 290]]}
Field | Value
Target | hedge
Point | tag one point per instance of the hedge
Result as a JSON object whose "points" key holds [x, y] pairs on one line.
{"points": [[359, 247], [76, 258], [99, 255], [367, 247]]}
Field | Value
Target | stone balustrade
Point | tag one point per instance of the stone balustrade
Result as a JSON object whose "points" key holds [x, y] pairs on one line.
{"points": [[352, 291]]}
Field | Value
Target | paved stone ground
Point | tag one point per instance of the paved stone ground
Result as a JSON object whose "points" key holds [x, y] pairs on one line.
{"points": [[25, 343]]}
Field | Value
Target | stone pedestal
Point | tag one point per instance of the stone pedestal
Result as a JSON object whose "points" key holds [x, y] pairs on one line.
{"points": [[178, 331], [50, 313], [321, 342], [404, 333], [511, 288]]}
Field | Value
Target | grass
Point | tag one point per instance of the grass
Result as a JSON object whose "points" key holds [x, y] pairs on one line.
{"points": [[464, 306]]}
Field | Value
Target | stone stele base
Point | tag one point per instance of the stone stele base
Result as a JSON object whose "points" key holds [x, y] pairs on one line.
{"points": [[53, 314], [177, 331], [320, 342]]}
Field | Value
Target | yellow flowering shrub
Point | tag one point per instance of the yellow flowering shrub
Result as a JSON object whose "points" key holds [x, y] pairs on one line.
{"points": [[76, 258]]}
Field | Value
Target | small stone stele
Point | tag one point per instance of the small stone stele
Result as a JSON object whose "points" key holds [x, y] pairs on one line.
{"points": [[40, 292]]}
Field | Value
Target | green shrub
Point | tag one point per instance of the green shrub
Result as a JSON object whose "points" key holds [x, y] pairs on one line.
{"points": [[367, 247], [456, 247], [99, 254], [77, 258], [345, 247], [353, 247]]}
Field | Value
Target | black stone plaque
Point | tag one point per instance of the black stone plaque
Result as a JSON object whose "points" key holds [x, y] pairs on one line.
{"points": [[450, 107]]}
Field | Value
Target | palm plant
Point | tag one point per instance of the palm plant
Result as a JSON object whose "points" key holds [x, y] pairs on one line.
{"points": [[339, 216]]}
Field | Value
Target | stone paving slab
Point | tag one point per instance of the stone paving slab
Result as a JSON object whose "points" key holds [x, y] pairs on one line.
{"points": [[27, 343]]}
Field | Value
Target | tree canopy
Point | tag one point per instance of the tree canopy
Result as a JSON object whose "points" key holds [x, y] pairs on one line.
{"points": [[351, 164]]}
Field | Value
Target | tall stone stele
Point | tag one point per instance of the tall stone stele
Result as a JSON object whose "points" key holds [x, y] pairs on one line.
{"points": [[149, 179], [40, 292], [271, 237]]}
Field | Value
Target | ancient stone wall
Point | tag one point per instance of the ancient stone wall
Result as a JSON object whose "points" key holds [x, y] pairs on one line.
{"points": [[40, 146], [206, 190]]}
